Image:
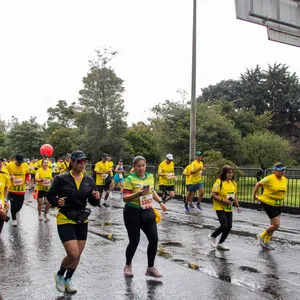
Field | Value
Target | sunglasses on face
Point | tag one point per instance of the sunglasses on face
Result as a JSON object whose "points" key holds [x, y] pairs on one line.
{"points": [[81, 161]]}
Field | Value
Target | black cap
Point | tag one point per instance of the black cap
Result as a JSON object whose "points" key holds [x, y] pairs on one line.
{"points": [[19, 158], [78, 154], [2, 159], [105, 155]]}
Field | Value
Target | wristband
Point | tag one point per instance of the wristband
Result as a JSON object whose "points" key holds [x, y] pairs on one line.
{"points": [[159, 202]]}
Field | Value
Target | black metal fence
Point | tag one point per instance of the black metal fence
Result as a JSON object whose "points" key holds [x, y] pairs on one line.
{"points": [[245, 177]]}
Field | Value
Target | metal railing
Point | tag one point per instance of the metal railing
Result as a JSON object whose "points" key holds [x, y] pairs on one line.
{"points": [[245, 177]]}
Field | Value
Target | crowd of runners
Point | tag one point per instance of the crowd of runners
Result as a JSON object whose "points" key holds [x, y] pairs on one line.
{"points": [[65, 185]]}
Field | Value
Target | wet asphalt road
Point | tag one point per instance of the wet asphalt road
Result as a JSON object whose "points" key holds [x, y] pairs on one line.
{"points": [[31, 252]]}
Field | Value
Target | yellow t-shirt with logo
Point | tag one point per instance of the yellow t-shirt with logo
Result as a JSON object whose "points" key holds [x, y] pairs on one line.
{"points": [[274, 190], [101, 167], [4, 183], [196, 177], [47, 176], [165, 168], [187, 174], [18, 184], [227, 190]]}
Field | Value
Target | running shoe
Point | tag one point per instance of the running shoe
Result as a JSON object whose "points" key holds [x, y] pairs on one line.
{"points": [[260, 241], [40, 217], [46, 217], [222, 247], [59, 282], [69, 286], [186, 207], [192, 206], [269, 246], [15, 223], [212, 241], [199, 206], [128, 271], [152, 271]]}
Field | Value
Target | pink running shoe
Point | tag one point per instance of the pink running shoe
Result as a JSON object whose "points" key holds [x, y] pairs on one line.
{"points": [[128, 271], [152, 271]]}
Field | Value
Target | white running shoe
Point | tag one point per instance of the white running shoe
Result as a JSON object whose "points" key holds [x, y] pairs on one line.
{"points": [[59, 282], [46, 217], [69, 286], [212, 241], [15, 223], [222, 247], [40, 217]]}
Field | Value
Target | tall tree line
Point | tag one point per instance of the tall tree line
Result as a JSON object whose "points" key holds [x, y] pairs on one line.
{"points": [[254, 120]]}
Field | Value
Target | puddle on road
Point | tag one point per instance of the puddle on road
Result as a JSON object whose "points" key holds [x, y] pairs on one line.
{"points": [[249, 269], [174, 244]]}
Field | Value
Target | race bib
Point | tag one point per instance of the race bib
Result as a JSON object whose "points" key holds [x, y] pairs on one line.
{"points": [[146, 201], [18, 181], [104, 175], [120, 175], [46, 182]]}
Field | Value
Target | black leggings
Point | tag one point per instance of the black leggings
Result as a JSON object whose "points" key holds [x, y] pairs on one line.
{"points": [[134, 223], [1, 225], [16, 203], [225, 219]]}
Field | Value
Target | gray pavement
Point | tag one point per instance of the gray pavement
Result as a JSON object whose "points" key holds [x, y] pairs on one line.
{"points": [[31, 252]]}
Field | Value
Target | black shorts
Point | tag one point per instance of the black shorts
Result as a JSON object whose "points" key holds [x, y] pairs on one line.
{"points": [[102, 188], [32, 176], [165, 188], [69, 232], [272, 211], [42, 194]]}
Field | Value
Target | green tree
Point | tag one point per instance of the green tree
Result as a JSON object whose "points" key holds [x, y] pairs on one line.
{"points": [[264, 149], [171, 123], [102, 116], [140, 140], [26, 137]]}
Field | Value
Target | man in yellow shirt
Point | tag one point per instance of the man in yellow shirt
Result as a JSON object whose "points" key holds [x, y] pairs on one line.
{"points": [[196, 183], [103, 171], [64, 166], [166, 178], [19, 173]]}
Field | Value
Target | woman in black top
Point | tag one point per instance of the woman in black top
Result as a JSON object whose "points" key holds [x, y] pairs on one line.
{"points": [[70, 192]]}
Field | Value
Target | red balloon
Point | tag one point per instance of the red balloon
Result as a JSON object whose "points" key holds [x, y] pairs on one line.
{"points": [[46, 149]]}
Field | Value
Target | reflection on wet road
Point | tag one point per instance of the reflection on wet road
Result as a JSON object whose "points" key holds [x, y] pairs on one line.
{"points": [[27, 254]]}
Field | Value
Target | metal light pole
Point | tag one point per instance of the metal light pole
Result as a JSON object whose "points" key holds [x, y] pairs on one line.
{"points": [[193, 89]]}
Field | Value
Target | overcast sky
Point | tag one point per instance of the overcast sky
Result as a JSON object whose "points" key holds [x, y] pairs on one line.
{"points": [[46, 45]]}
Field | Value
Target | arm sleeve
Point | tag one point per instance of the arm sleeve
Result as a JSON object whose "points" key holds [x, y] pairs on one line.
{"points": [[52, 194], [91, 198]]}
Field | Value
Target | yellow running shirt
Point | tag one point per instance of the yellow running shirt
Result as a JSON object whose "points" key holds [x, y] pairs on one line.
{"points": [[4, 182], [167, 169], [227, 190], [274, 190], [46, 175], [101, 167], [18, 172], [196, 177], [187, 174]]}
